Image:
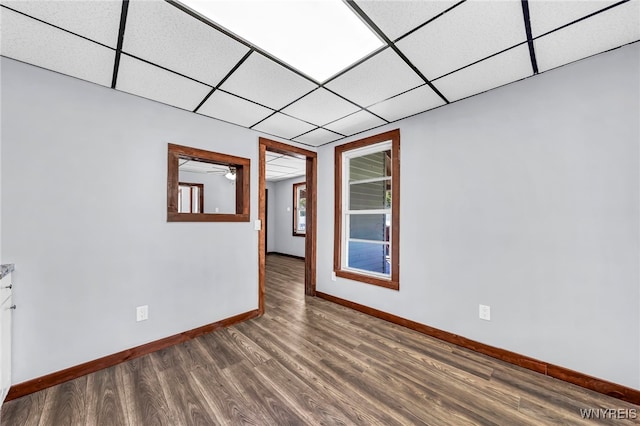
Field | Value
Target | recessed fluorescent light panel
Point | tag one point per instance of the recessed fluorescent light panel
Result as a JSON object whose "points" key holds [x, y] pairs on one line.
{"points": [[317, 37]]}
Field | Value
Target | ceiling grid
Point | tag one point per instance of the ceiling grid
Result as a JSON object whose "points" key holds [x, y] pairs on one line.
{"points": [[235, 67], [433, 53], [527, 26], [123, 22]]}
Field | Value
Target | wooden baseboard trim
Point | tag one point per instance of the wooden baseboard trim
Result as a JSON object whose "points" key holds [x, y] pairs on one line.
{"points": [[599, 385], [37, 384], [286, 255]]}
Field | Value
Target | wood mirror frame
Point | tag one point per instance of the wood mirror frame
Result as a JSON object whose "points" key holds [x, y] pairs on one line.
{"points": [[242, 166]]}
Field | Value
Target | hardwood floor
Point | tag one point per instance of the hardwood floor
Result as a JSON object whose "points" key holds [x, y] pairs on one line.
{"points": [[309, 361]]}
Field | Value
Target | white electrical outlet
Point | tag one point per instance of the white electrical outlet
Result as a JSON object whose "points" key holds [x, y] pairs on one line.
{"points": [[142, 313], [333, 276], [485, 312]]}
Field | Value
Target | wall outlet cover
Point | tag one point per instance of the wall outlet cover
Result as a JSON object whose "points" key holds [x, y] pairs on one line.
{"points": [[484, 312], [142, 313]]}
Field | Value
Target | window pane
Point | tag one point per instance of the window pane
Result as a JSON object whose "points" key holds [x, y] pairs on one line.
{"points": [[370, 195], [373, 227], [370, 166], [369, 257], [300, 208]]}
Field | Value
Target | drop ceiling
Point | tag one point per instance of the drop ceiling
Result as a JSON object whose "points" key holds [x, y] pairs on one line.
{"points": [[278, 167], [281, 167], [434, 53]]}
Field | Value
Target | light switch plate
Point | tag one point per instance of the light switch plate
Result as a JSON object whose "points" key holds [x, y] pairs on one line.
{"points": [[257, 225]]}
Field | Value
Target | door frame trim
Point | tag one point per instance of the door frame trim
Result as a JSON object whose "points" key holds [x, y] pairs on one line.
{"points": [[311, 157]]}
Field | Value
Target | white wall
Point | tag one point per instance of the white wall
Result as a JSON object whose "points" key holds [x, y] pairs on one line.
{"points": [[219, 192], [284, 240], [88, 248], [271, 217], [524, 198]]}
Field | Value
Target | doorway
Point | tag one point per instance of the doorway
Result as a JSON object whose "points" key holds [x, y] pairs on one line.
{"points": [[311, 159]]}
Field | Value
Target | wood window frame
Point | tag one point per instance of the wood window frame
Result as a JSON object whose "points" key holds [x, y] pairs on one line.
{"points": [[296, 233], [394, 281], [243, 174]]}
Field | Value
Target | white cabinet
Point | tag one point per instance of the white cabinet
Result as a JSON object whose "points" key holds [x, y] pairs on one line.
{"points": [[6, 311]]}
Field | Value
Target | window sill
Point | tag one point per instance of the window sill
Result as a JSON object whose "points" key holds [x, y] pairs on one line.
{"points": [[393, 285], [297, 234]]}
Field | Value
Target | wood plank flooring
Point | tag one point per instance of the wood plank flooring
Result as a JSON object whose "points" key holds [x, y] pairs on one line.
{"points": [[310, 362]]}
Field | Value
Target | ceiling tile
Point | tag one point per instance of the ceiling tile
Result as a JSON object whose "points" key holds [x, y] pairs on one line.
{"points": [[607, 30], [283, 126], [320, 107], [201, 167], [380, 77], [548, 15], [512, 65], [273, 172], [318, 137], [272, 176], [396, 19], [468, 33], [161, 33], [280, 167], [96, 20], [288, 162], [275, 176], [355, 123], [36, 43], [151, 82], [271, 156], [233, 109], [412, 102], [263, 81]]}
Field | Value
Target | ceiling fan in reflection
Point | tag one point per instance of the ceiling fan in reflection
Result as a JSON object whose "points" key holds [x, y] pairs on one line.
{"points": [[228, 171]]}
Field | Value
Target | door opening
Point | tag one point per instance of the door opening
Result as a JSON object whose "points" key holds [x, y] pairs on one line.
{"points": [[311, 160]]}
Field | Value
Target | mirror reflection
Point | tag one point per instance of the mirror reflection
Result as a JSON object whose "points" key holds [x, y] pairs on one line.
{"points": [[206, 187]]}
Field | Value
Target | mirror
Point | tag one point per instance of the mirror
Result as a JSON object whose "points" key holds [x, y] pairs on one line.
{"points": [[206, 186]]}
